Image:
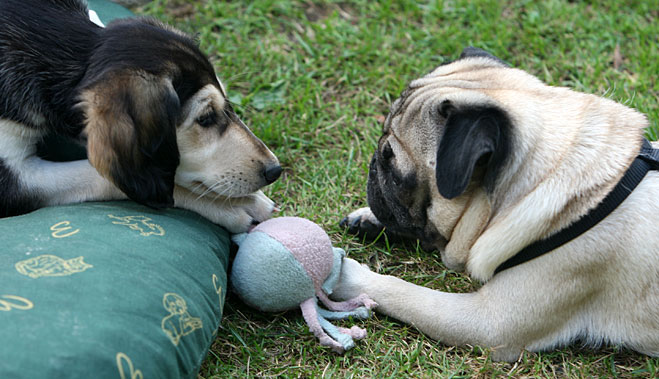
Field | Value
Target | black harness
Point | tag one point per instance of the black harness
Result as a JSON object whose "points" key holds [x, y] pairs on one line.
{"points": [[647, 159]]}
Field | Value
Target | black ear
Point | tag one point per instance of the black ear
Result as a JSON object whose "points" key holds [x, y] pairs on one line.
{"points": [[131, 120], [470, 52], [473, 137]]}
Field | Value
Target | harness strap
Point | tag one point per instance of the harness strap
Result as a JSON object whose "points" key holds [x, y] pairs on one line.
{"points": [[647, 159], [650, 155]]}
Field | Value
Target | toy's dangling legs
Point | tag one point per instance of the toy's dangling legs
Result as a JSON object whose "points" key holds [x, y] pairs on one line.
{"points": [[342, 335], [310, 314], [354, 332], [348, 305], [339, 339], [360, 313]]}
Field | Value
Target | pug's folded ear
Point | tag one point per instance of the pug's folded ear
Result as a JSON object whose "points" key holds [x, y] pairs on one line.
{"points": [[473, 137], [131, 120]]}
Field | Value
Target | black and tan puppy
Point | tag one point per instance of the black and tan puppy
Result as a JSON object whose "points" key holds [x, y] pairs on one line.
{"points": [[145, 100], [480, 160]]}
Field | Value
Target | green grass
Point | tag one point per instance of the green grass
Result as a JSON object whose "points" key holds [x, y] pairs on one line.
{"points": [[312, 79]]}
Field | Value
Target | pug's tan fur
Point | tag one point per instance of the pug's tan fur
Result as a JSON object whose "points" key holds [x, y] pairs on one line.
{"points": [[567, 151]]}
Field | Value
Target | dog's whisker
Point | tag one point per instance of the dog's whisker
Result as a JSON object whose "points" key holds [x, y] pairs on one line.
{"points": [[223, 195], [208, 190], [195, 188], [214, 187]]}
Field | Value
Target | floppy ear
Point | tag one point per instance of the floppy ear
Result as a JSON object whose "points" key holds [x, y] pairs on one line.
{"points": [[473, 137], [131, 120]]}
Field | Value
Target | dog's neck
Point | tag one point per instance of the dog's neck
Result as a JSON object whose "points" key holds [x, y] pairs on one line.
{"points": [[567, 171], [646, 161]]}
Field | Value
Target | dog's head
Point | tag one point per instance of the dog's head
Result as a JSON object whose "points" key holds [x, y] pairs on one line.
{"points": [[439, 141], [156, 115], [478, 157]]}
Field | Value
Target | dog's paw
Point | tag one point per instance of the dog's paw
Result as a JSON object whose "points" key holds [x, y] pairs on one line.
{"points": [[258, 206], [240, 214], [237, 215], [363, 223], [353, 281]]}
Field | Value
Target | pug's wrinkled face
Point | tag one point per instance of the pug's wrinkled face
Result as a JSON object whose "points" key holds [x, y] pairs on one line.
{"points": [[443, 138], [401, 173]]}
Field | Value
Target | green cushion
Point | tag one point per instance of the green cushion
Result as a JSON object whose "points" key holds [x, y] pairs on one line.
{"points": [[108, 11], [103, 290]]}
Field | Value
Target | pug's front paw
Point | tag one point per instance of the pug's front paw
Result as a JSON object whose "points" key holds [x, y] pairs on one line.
{"points": [[362, 222]]}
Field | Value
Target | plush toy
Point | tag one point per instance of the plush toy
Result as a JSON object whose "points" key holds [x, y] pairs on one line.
{"points": [[288, 262]]}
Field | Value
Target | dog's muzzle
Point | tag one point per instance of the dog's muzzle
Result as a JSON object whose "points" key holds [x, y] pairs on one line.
{"points": [[393, 205]]}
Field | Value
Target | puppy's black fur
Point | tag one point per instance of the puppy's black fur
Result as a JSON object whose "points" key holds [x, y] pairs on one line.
{"points": [[13, 200], [44, 50], [134, 75]]}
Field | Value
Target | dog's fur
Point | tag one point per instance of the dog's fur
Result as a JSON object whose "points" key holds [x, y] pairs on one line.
{"points": [[479, 160], [157, 124]]}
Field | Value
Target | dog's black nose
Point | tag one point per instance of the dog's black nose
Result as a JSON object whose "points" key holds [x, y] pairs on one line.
{"points": [[272, 173]]}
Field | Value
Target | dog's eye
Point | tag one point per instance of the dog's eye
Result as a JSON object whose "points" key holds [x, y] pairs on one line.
{"points": [[207, 119]]}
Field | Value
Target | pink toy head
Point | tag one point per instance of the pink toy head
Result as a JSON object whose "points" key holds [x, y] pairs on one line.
{"points": [[307, 241]]}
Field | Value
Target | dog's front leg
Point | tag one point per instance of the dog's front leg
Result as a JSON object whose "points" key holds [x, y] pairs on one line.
{"points": [[58, 183], [507, 317], [453, 319], [28, 182]]}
